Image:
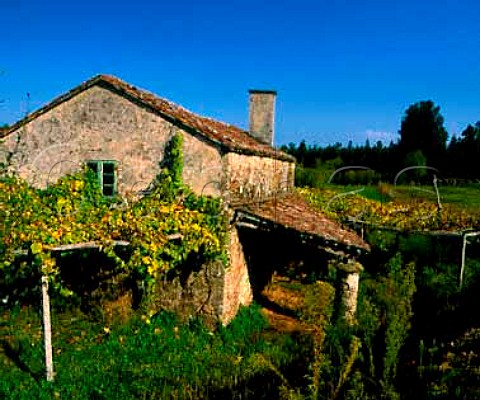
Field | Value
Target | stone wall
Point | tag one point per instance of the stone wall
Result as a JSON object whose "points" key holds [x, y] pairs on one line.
{"points": [[98, 124], [237, 290], [198, 294], [262, 115], [198, 291], [349, 279], [250, 178]]}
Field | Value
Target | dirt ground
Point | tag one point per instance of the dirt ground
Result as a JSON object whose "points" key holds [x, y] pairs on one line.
{"points": [[282, 306]]}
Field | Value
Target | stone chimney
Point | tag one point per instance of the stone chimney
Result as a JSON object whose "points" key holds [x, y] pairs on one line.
{"points": [[262, 115]]}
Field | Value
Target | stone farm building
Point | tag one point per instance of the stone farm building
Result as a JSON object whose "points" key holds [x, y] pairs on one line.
{"points": [[123, 131]]}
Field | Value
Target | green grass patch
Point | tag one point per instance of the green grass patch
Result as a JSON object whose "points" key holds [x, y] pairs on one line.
{"points": [[375, 193], [464, 197], [158, 360]]}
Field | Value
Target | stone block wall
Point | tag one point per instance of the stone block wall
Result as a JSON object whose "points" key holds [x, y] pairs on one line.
{"points": [[198, 294], [215, 292], [262, 115], [251, 178], [237, 289], [98, 124]]}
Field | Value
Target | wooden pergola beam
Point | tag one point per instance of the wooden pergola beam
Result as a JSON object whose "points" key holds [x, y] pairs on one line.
{"points": [[91, 245]]}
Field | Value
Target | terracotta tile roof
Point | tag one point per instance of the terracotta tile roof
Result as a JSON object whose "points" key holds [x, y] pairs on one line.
{"points": [[228, 137], [292, 211]]}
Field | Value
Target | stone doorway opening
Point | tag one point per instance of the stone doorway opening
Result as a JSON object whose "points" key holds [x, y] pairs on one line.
{"points": [[280, 264]]}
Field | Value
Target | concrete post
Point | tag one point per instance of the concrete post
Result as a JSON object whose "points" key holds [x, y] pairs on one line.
{"points": [[47, 330]]}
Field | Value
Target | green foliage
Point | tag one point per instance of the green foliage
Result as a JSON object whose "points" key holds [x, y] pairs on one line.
{"points": [[316, 313], [463, 153], [382, 241], [423, 142], [163, 359], [309, 177], [385, 311], [397, 295], [397, 214], [376, 193], [369, 322], [347, 365], [416, 159], [357, 177], [74, 211], [455, 372], [174, 158], [169, 182], [317, 175], [422, 129], [318, 304]]}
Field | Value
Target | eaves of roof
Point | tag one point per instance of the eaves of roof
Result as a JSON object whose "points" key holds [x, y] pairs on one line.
{"points": [[293, 212]]}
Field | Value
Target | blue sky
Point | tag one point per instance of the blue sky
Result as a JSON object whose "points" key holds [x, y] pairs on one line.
{"points": [[344, 70]]}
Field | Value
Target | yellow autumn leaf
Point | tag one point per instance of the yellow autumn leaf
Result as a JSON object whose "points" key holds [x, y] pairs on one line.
{"points": [[36, 248]]}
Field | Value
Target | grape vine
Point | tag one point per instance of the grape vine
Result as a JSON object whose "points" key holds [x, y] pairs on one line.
{"points": [[405, 216], [73, 211]]}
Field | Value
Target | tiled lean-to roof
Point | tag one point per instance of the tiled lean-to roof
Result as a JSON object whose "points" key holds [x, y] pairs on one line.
{"points": [[293, 212], [228, 137]]}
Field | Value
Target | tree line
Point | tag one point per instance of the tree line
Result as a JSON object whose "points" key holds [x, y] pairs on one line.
{"points": [[423, 143]]}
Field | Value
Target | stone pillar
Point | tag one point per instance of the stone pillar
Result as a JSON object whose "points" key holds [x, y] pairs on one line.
{"points": [[349, 285], [237, 290]]}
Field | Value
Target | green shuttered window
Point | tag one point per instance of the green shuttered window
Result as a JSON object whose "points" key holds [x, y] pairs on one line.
{"points": [[106, 171]]}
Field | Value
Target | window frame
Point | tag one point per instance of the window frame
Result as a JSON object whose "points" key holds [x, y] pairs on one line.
{"points": [[98, 167]]}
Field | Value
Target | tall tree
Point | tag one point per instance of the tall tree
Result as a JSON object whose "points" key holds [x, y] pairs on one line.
{"points": [[422, 129], [471, 135], [464, 153]]}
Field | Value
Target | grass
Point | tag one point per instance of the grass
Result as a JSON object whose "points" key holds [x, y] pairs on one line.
{"points": [[158, 360], [464, 197]]}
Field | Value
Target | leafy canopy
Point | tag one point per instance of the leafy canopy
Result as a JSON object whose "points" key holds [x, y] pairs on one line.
{"points": [[422, 129], [74, 211]]}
